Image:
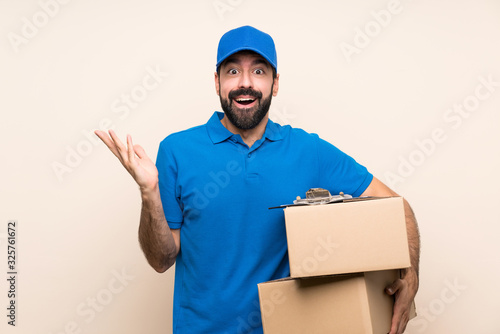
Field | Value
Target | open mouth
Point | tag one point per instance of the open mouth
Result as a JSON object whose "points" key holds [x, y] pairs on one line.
{"points": [[244, 98], [244, 102]]}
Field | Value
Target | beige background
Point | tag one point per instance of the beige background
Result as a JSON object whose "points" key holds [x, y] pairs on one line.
{"points": [[78, 231]]}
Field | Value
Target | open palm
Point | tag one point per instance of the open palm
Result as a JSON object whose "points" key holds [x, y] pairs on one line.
{"points": [[133, 158]]}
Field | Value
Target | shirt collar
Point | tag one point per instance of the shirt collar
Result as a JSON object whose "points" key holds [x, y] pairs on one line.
{"points": [[273, 131], [218, 132]]}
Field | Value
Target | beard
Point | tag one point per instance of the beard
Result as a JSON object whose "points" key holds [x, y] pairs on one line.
{"points": [[246, 118]]}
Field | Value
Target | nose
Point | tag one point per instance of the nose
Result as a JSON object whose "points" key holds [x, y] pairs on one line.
{"points": [[245, 80]]}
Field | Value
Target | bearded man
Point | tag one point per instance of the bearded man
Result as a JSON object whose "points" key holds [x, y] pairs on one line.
{"points": [[205, 202]]}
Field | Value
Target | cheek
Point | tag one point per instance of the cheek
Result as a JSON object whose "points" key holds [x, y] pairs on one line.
{"points": [[223, 93], [267, 87], [224, 89]]}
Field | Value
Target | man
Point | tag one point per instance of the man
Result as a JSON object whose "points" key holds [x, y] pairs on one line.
{"points": [[205, 203]]}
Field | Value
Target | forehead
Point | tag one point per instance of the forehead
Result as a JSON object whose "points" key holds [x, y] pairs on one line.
{"points": [[239, 57]]}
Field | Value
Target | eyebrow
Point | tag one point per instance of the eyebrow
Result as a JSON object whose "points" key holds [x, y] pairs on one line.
{"points": [[257, 61]]}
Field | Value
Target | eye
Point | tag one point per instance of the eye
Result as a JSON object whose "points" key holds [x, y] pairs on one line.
{"points": [[259, 71], [232, 71]]}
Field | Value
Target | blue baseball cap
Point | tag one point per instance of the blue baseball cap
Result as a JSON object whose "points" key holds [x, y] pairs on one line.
{"points": [[247, 38]]}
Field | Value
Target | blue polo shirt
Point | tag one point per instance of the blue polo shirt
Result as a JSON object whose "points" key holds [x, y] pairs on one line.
{"points": [[217, 190]]}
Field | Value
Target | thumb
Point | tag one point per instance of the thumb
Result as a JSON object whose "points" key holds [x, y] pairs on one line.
{"points": [[139, 151], [393, 287]]}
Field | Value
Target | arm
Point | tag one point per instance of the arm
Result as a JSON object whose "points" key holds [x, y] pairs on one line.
{"points": [[403, 289], [159, 243]]}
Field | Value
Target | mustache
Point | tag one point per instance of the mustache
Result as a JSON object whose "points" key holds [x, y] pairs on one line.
{"points": [[244, 91]]}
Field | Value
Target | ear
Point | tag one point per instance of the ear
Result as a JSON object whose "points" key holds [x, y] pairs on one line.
{"points": [[217, 88], [276, 84]]}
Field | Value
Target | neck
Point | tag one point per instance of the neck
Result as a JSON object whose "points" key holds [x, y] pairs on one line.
{"points": [[249, 136]]}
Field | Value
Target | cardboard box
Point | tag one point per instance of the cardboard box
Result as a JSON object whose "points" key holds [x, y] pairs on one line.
{"points": [[348, 237], [344, 304]]}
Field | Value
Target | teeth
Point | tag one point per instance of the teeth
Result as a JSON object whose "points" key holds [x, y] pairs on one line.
{"points": [[243, 100]]}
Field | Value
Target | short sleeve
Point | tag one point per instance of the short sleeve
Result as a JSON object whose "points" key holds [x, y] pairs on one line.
{"points": [[167, 176], [340, 171]]}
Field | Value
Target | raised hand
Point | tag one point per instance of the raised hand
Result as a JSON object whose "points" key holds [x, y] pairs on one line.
{"points": [[133, 158]]}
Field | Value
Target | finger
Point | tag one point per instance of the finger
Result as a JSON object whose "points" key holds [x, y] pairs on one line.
{"points": [[107, 141], [140, 151], [395, 325], [403, 327], [400, 312], [394, 287], [399, 323], [396, 319], [130, 149], [122, 150], [118, 143]]}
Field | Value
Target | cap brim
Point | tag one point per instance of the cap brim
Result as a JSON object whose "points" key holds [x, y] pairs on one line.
{"points": [[246, 48]]}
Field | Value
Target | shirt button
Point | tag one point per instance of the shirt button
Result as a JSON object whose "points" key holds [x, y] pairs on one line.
{"points": [[249, 155]]}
